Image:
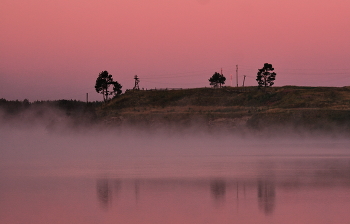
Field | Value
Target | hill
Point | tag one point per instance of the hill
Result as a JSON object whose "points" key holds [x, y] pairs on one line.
{"points": [[312, 108]]}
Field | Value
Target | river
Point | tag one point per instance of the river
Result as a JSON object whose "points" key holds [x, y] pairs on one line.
{"points": [[137, 177]]}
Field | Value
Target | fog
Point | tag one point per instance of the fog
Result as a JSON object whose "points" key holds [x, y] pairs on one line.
{"points": [[55, 168], [52, 145]]}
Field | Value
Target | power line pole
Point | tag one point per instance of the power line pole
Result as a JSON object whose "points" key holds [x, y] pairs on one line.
{"points": [[221, 75], [237, 75], [244, 79]]}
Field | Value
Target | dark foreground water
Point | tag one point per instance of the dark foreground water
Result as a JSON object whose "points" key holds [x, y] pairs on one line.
{"points": [[51, 179]]}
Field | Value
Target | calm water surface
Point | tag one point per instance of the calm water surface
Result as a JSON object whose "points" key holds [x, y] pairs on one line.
{"points": [[183, 182]]}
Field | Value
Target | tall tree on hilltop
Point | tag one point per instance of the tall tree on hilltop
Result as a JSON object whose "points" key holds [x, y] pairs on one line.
{"points": [[265, 76], [217, 80], [103, 82]]}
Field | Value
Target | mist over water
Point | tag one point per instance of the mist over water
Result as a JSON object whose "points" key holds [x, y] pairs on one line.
{"points": [[54, 172], [124, 152]]}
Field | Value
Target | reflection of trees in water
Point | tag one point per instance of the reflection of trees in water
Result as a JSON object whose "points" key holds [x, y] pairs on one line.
{"points": [[137, 189], [104, 192], [266, 196], [108, 189], [218, 189], [117, 185]]}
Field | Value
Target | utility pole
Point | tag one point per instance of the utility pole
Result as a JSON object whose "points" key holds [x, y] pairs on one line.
{"points": [[87, 98], [221, 74], [237, 75], [244, 79]]}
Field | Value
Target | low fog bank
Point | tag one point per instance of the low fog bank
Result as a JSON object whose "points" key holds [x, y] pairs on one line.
{"points": [[137, 154], [61, 115], [51, 143], [71, 138], [42, 131], [73, 117], [76, 117]]}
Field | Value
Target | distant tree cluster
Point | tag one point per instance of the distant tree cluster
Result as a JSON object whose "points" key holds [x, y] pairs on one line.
{"points": [[13, 107], [71, 108]]}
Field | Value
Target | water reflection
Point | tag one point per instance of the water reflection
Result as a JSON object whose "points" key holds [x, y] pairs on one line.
{"points": [[225, 192], [137, 189], [218, 189], [239, 191], [104, 192], [218, 192], [317, 188], [266, 196]]}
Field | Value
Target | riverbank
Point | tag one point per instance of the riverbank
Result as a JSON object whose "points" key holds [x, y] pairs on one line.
{"points": [[229, 109], [312, 108]]}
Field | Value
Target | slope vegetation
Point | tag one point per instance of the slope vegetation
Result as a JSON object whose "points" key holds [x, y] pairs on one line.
{"points": [[314, 108]]}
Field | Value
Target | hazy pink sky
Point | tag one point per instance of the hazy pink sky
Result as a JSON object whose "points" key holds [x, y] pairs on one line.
{"points": [[55, 49]]}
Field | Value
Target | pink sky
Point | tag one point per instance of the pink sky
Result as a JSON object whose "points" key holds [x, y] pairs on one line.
{"points": [[56, 49]]}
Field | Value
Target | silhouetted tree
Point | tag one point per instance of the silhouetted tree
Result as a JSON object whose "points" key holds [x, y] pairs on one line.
{"points": [[103, 81], [217, 80], [265, 76]]}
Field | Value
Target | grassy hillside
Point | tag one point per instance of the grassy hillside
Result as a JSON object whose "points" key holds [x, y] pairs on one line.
{"points": [[233, 108]]}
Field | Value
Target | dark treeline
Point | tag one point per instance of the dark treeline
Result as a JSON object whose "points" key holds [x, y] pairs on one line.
{"points": [[17, 106], [78, 111]]}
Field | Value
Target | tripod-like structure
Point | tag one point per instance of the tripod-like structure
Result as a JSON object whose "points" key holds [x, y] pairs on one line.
{"points": [[137, 80]]}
